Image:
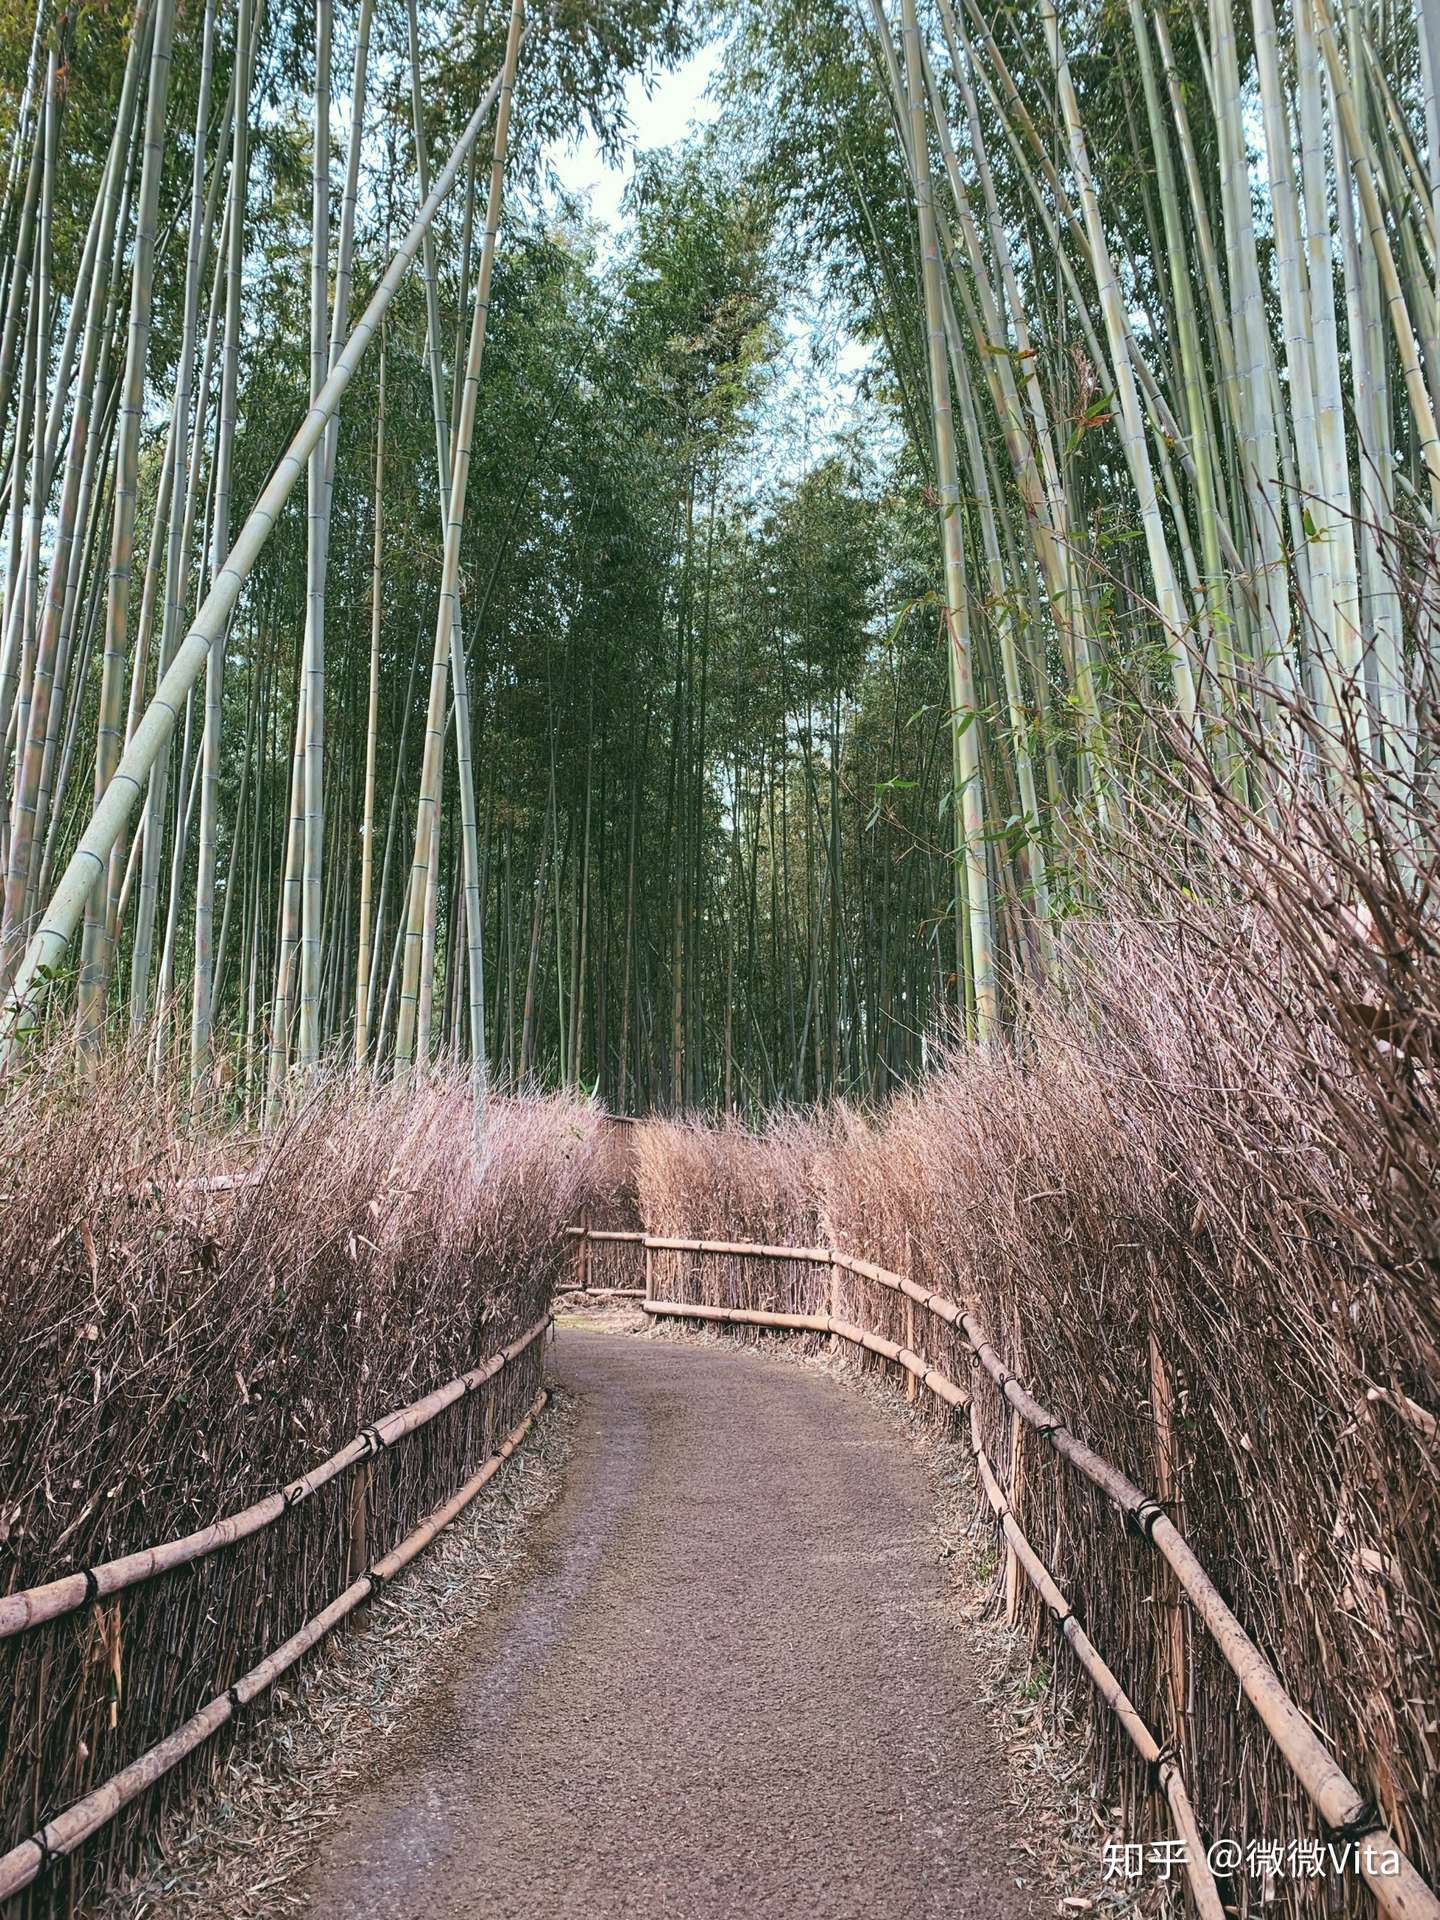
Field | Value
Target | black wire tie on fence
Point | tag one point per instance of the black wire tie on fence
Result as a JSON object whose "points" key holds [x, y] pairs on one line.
{"points": [[293, 1495], [48, 1855], [1365, 1820], [92, 1586], [1144, 1517], [1063, 1619], [234, 1702], [375, 1441], [377, 1580]]}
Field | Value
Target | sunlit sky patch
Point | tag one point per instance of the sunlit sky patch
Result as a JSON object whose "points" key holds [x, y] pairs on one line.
{"points": [[659, 116]]}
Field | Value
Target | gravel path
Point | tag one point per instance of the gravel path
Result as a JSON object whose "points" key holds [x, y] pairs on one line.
{"points": [[726, 1687]]}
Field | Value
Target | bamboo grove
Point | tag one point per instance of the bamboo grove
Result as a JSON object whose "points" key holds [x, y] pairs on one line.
{"points": [[433, 627]]}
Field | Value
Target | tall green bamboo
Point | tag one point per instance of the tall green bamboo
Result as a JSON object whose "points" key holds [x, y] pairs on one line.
{"points": [[202, 998], [428, 803], [968, 798], [118, 794], [95, 956], [372, 719]]}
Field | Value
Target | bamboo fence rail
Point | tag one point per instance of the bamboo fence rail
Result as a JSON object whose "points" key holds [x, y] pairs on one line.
{"points": [[61, 1836], [34, 1605], [1348, 1816], [1167, 1773], [585, 1282], [62, 1639]]}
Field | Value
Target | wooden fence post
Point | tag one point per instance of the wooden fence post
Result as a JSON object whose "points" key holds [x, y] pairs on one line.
{"points": [[912, 1385], [1014, 1494], [1172, 1643], [649, 1272], [357, 1555]]}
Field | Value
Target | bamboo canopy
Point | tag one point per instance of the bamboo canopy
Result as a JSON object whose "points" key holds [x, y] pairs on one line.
{"points": [[1149, 426]]}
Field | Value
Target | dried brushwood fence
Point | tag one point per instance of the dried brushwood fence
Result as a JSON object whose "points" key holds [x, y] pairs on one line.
{"points": [[178, 1344], [607, 1223], [940, 1346], [313, 1536]]}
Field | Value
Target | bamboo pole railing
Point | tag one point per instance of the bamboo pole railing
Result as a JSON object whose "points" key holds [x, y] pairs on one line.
{"points": [[1347, 1814], [1163, 1765], [584, 1236], [1167, 1774], [34, 1605], [62, 1835]]}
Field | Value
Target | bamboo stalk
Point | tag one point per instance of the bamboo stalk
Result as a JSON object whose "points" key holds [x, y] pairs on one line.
{"points": [[32, 780], [317, 547], [201, 1012], [364, 960], [474, 933], [1393, 293], [967, 795], [120, 792], [444, 659], [95, 957]]}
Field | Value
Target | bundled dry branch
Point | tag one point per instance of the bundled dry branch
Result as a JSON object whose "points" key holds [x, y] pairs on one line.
{"points": [[19, 1612], [609, 1258]]}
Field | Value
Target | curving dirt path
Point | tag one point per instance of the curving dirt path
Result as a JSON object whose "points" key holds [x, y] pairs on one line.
{"points": [[726, 1686]]}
